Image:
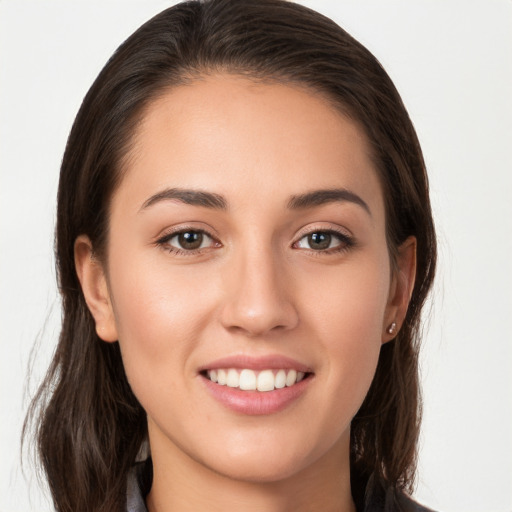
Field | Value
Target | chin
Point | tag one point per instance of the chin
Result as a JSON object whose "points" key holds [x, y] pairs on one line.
{"points": [[268, 462], [272, 470]]}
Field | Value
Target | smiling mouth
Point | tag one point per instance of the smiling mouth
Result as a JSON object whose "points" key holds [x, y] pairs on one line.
{"points": [[251, 380]]}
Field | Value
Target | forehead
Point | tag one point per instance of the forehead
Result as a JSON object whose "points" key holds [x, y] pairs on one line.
{"points": [[231, 135]]}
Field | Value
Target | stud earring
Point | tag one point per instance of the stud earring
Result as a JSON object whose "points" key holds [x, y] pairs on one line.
{"points": [[391, 329]]}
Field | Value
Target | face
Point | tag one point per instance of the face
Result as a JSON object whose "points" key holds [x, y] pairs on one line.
{"points": [[249, 281]]}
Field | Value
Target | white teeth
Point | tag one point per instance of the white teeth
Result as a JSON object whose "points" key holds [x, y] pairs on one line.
{"points": [[291, 378], [232, 379], [221, 377], [280, 381], [250, 380], [247, 380], [265, 381]]}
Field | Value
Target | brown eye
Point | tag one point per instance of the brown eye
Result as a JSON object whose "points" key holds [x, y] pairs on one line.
{"points": [[324, 241], [189, 240], [319, 241]]}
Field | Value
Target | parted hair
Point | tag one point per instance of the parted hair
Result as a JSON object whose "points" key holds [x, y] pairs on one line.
{"points": [[88, 424]]}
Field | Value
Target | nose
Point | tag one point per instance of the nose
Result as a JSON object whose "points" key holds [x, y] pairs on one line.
{"points": [[258, 295]]}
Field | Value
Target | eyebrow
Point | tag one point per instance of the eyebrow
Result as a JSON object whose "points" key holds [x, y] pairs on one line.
{"points": [[188, 196], [325, 196], [218, 202]]}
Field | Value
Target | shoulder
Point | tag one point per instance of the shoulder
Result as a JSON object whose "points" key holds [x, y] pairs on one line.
{"points": [[407, 504], [394, 502], [378, 497], [138, 486]]}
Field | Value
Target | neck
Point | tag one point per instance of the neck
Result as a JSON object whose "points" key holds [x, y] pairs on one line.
{"points": [[181, 484]]}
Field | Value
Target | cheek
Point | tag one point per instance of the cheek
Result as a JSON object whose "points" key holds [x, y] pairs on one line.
{"points": [[348, 303], [346, 315], [159, 315]]}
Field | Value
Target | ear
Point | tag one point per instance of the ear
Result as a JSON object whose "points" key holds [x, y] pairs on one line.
{"points": [[94, 287], [400, 291]]}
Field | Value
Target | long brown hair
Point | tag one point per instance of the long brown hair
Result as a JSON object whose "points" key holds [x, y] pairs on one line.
{"points": [[89, 424]]}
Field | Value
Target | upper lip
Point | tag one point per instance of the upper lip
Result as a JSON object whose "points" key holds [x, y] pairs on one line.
{"points": [[268, 362]]}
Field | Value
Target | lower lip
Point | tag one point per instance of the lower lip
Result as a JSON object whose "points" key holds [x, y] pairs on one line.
{"points": [[256, 403]]}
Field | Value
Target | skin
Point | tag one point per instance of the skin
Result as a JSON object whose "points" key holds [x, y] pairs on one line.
{"points": [[256, 288]]}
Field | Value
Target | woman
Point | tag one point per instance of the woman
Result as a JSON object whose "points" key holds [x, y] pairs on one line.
{"points": [[244, 244]]}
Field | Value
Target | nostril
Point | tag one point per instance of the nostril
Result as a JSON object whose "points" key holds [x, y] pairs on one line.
{"points": [[252, 321]]}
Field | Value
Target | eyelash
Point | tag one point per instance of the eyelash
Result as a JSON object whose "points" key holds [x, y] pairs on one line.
{"points": [[163, 242], [346, 242]]}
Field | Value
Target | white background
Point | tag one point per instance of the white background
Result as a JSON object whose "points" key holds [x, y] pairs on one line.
{"points": [[451, 61]]}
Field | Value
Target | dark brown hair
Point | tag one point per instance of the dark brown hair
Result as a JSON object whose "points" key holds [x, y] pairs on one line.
{"points": [[90, 426]]}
